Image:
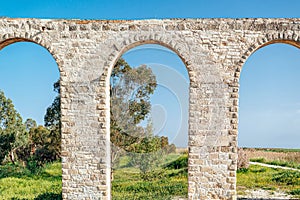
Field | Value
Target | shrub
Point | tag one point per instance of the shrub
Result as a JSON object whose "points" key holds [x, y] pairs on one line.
{"points": [[49, 196], [243, 160], [242, 170], [295, 192], [287, 177], [260, 160], [32, 165], [181, 162]]}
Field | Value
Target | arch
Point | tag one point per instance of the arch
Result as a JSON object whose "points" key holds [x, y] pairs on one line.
{"points": [[118, 54], [10, 40], [285, 38], [275, 38], [108, 70]]}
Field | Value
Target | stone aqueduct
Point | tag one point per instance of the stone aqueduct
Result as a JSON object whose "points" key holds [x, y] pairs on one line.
{"points": [[213, 50]]}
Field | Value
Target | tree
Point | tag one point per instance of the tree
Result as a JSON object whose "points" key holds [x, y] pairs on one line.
{"points": [[147, 153], [130, 90], [12, 129], [52, 120], [30, 123], [52, 116]]}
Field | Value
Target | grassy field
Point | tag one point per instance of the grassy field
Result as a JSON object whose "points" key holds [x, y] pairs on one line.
{"points": [[258, 177], [279, 157], [167, 181], [270, 179], [285, 155], [17, 182]]}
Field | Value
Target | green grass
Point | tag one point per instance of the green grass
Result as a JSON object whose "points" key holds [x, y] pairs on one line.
{"points": [[16, 182], [166, 182], [258, 177]]}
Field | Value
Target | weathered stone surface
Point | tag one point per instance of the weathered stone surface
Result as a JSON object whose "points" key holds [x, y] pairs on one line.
{"points": [[213, 50]]}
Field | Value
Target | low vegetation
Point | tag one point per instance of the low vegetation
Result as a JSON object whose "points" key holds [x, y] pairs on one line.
{"points": [[19, 183], [167, 181], [271, 154], [277, 163], [258, 177]]}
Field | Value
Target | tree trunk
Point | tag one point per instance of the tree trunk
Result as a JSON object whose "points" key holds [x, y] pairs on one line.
{"points": [[12, 157]]}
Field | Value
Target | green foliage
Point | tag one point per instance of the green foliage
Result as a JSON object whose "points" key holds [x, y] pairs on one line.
{"points": [[163, 190], [13, 170], [12, 129], [284, 164], [6, 141], [17, 182], [287, 177], [32, 165], [164, 184], [146, 155], [295, 192], [277, 163], [133, 85], [181, 162], [260, 160], [258, 177], [52, 121], [242, 170], [43, 145], [49, 196], [130, 104]]}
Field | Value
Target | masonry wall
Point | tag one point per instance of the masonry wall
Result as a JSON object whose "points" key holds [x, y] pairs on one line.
{"points": [[213, 50]]}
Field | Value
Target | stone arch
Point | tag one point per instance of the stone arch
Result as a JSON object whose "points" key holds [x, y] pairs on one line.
{"points": [[117, 54], [272, 38], [289, 38], [9, 39], [175, 47]]}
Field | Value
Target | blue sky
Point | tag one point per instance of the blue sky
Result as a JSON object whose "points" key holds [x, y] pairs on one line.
{"points": [[140, 9], [269, 105], [270, 98]]}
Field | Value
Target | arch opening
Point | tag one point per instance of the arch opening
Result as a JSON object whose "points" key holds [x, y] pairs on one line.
{"points": [[31, 88], [269, 121], [159, 139]]}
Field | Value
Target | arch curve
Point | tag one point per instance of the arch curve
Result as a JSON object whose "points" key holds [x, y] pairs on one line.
{"points": [[36, 40], [274, 38], [176, 48]]}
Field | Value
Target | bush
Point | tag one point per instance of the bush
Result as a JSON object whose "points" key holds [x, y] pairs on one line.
{"points": [[181, 162], [295, 192], [49, 196], [243, 160], [32, 165], [287, 177], [242, 170], [260, 160]]}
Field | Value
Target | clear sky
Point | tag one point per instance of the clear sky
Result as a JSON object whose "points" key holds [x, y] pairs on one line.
{"points": [[270, 98], [276, 120]]}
